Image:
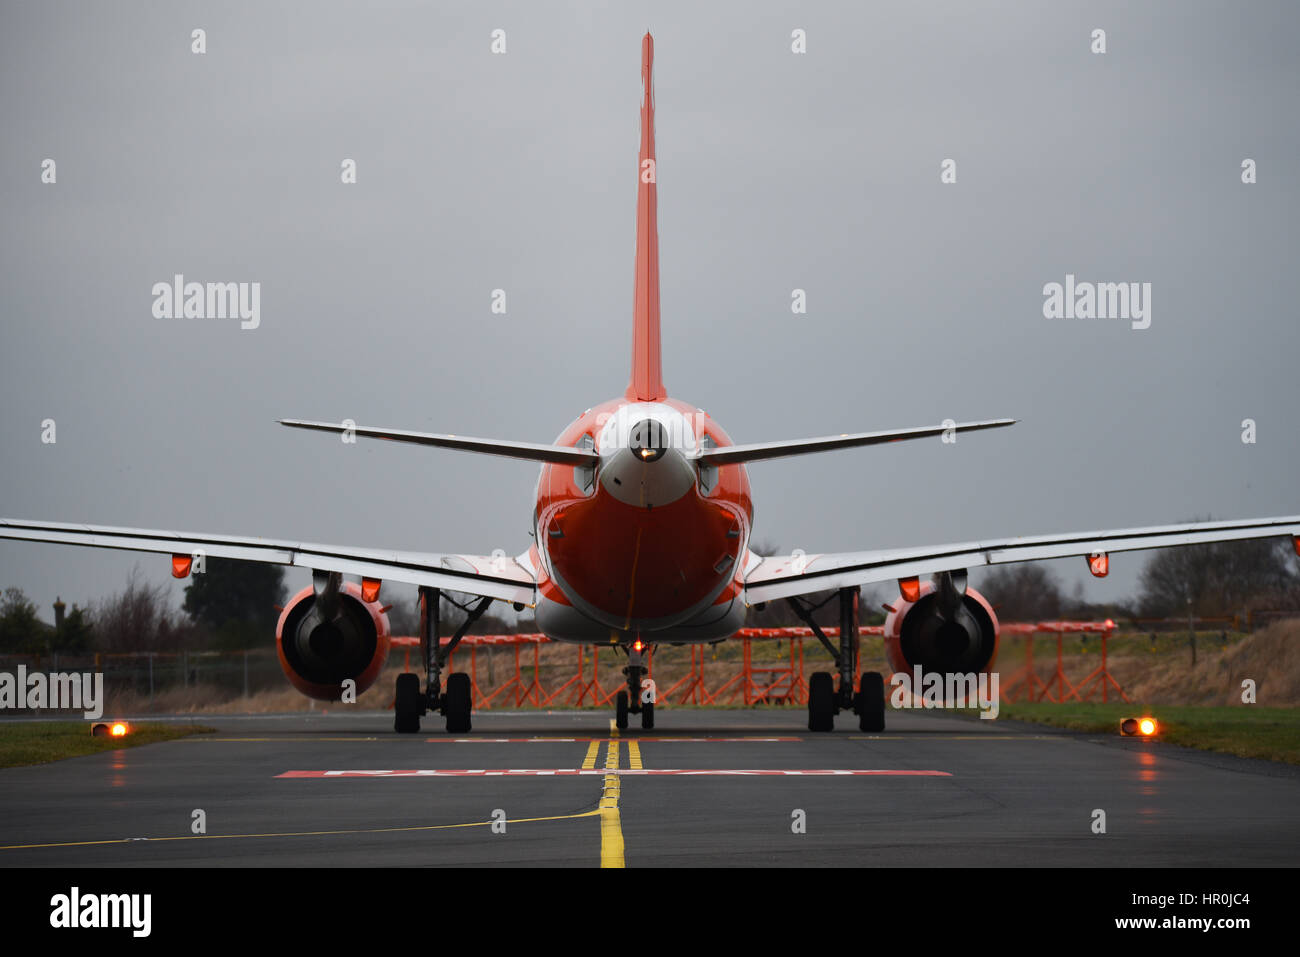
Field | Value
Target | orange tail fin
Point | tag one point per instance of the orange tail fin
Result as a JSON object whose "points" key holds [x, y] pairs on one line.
{"points": [[647, 384]]}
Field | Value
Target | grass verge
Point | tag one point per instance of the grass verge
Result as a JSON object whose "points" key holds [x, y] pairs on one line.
{"points": [[39, 742], [1248, 731]]}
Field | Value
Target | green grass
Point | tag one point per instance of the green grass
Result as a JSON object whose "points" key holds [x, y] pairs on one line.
{"points": [[39, 742], [1011, 649], [1248, 731]]}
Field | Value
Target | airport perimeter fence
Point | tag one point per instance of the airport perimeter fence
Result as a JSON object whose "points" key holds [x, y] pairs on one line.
{"points": [[1249, 621], [146, 675]]}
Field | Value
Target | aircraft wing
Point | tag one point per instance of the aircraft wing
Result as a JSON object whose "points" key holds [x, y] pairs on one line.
{"points": [[493, 576], [785, 575]]}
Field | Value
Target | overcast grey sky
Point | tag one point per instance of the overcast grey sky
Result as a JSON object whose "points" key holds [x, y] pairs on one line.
{"points": [[776, 171]]}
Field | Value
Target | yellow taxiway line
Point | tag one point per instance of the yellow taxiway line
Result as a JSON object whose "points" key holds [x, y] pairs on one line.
{"points": [[361, 830], [611, 828]]}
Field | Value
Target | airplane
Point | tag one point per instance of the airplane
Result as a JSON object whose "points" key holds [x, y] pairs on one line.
{"points": [[641, 530]]}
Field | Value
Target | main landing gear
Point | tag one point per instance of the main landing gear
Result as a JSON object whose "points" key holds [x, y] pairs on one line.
{"points": [[825, 700], [456, 702], [629, 701]]}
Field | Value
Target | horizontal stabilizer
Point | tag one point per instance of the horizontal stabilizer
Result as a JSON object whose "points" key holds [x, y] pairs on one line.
{"points": [[728, 454], [533, 452]]}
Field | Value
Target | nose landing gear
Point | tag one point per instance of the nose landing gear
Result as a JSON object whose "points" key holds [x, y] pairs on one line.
{"points": [[634, 700]]}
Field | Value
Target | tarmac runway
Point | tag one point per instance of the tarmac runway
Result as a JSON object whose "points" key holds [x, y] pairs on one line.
{"points": [[705, 788]]}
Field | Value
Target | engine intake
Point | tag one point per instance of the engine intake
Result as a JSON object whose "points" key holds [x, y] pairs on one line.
{"points": [[318, 652]]}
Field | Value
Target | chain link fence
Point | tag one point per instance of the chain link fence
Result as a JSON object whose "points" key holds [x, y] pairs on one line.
{"points": [[145, 676]]}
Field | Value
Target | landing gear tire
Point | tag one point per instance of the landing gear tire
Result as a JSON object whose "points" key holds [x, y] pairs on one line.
{"points": [[407, 706], [870, 703], [821, 702], [456, 703], [620, 711], [648, 716]]}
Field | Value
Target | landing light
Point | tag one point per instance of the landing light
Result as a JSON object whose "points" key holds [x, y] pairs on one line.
{"points": [[110, 729], [638, 646]]}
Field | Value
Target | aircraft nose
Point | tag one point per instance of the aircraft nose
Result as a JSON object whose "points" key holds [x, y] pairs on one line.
{"points": [[648, 440]]}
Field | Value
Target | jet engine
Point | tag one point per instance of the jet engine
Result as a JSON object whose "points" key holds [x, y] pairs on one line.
{"points": [[948, 629], [329, 634]]}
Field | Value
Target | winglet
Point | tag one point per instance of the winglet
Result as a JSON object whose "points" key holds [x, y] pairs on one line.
{"points": [[646, 384]]}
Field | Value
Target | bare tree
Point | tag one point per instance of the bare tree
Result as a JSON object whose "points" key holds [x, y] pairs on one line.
{"points": [[1220, 577], [1026, 591], [139, 618]]}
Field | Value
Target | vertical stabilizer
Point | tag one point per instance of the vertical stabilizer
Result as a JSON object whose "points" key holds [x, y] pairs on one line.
{"points": [[647, 383]]}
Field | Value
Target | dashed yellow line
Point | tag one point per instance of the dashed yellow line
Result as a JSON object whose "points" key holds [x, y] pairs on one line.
{"points": [[589, 761], [634, 755], [611, 828]]}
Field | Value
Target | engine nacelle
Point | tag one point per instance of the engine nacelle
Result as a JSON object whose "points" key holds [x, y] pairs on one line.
{"points": [[318, 655], [959, 639]]}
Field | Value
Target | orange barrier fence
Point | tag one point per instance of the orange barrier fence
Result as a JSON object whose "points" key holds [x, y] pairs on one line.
{"points": [[1058, 687], [780, 680]]}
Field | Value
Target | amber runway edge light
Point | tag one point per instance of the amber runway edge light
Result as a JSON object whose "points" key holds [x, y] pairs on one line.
{"points": [[1139, 727]]}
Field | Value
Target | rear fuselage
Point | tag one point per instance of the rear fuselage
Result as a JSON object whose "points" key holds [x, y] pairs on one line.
{"points": [[645, 543]]}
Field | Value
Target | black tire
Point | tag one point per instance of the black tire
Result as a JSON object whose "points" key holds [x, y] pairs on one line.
{"points": [[648, 716], [871, 702], [620, 711], [821, 702], [407, 706], [457, 703]]}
